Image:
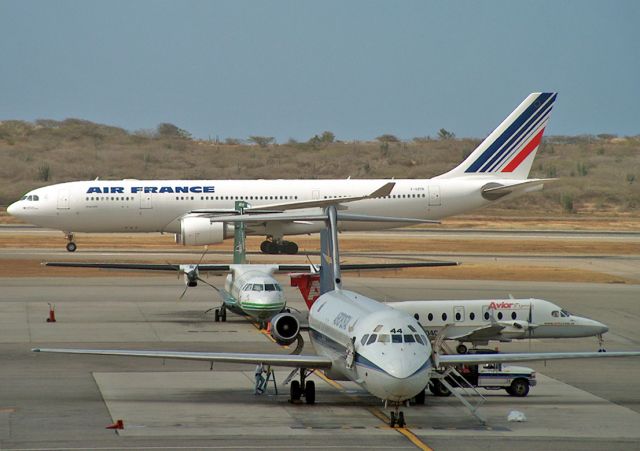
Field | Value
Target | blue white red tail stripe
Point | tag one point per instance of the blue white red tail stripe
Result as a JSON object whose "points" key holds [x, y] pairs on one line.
{"points": [[518, 134], [529, 129]]}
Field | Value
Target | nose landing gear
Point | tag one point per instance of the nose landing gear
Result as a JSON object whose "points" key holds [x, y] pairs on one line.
{"points": [[396, 418], [71, 246]]}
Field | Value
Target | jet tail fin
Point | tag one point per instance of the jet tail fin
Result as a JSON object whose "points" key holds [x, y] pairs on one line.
{"points": [[508, 152]]}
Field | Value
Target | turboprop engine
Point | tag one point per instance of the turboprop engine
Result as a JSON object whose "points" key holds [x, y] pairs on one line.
{"points": [[516, 328], [198, 231], [285, 328]]}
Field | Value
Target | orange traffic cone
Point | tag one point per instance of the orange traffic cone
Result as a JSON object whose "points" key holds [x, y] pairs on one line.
{"points": [[119, 424], [52, 314]]}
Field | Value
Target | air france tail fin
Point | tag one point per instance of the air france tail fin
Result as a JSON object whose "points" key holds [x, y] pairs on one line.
{"points": [[508, 152]]}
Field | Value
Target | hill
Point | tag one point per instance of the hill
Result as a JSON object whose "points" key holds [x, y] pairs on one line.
{"points": [[598, 174]]}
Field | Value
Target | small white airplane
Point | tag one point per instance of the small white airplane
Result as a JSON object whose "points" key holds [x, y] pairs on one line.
{"points": [[497, 168], [483, 320], [396, 365], [250, 289]]}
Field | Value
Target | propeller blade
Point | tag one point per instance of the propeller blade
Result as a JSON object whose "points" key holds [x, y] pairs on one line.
{"points": [[186, 287]]}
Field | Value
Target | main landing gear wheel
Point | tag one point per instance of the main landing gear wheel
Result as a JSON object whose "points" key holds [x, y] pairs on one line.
{"points": [[295, 393], [310, 392], [274, 247], [420, 398], [461, 349]]}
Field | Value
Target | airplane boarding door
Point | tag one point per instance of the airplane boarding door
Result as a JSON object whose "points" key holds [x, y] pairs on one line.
{"points": [[63, 200], [458, 313], [145, 201], [315, 194], [434, 195]]}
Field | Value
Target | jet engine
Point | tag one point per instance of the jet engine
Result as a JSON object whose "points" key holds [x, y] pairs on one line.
{"points": [[285, 328], [198, 230]]}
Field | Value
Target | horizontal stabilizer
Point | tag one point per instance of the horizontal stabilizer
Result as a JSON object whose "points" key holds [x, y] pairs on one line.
{"points": [[496, 190]]}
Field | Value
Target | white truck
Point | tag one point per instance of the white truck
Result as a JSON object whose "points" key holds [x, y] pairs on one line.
{"points": [[516, 380]]}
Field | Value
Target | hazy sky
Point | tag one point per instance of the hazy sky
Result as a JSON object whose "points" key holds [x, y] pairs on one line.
{"points": [[295, 68]]}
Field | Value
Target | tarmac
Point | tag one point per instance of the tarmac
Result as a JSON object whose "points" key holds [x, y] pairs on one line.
{"points": [[53, 401]]}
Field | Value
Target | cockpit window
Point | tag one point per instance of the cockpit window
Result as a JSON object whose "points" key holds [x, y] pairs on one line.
{"points": [[372, 339], [564, 313], [411, 328], [419, 340], [384, 338], [364, 339], [396, 338], [30, 197], [36, 198], [408, 338], [23, 198], [378, 328], [258, 287], [247, 287], [269, 287]]}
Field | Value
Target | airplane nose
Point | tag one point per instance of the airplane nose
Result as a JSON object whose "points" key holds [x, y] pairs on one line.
{"points": [[12, 209]]}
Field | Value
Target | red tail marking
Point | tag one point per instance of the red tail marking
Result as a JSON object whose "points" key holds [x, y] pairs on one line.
{"points": [[309, 286], [524, 153]]}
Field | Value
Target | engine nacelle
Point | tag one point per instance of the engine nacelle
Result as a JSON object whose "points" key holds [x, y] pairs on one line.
{"points": [[198, 231], [285, 328]]}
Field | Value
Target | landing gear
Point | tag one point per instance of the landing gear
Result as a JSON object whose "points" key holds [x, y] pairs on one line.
{"points": [[302, 387], [461, 349], [71, 246], [420, 398], [396, 418], [220, 314], [278, 247], [601, 343]]}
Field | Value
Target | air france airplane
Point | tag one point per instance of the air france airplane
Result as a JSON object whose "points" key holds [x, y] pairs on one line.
{"points": [[497, 168], [481, 321], [358, 339]]}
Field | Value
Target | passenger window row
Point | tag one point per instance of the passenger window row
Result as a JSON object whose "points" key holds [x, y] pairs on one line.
{"points": [[472, 316], [238, 198], [103, 198]]}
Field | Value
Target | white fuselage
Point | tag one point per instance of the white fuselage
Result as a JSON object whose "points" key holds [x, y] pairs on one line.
{"points": [[255, 292], [521, 318], [394, 365], [159, 205]]}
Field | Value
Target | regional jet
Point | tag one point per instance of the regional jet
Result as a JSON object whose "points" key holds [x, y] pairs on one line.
{"points": [[496, 169], [358, 339]]}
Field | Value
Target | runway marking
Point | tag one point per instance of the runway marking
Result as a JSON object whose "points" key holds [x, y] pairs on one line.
{"points": [[413, 438]]}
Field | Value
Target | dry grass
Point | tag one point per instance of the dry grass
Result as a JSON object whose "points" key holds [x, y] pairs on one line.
{"points": [[601, 175]]}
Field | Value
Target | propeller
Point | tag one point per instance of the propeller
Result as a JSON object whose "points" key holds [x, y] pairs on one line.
{"points": [[193, 275]]}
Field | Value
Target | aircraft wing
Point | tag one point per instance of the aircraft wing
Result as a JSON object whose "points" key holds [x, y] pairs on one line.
{"points": [[456, 359], [288, 360], [317, 217], [205, 267], [365, 266], [383, 191], [488, 332]]}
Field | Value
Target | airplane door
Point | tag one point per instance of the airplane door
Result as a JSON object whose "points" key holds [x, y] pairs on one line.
{"points": [[458, 313], [315, 194], [145, 201], [434, 195], [63, 200]]}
